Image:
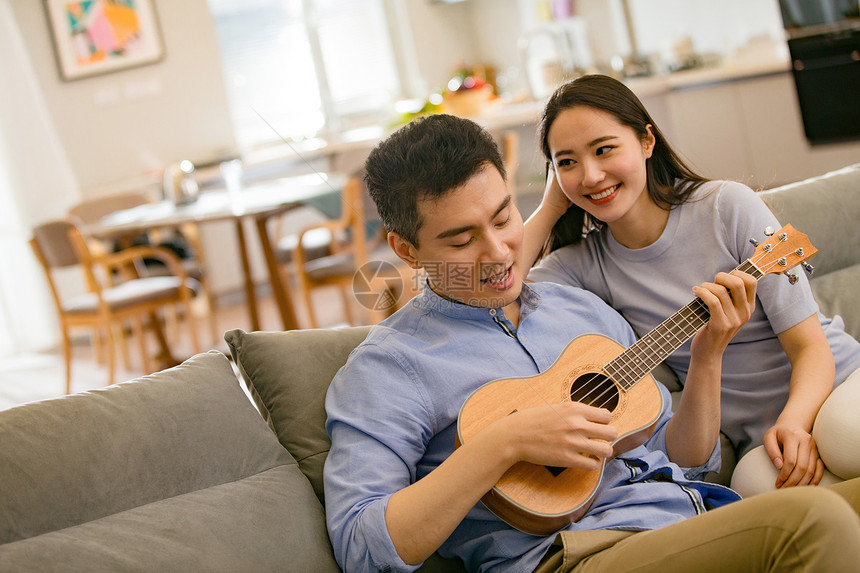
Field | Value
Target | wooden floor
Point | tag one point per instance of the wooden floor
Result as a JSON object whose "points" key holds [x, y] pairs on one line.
{"points": [[26, 378]]}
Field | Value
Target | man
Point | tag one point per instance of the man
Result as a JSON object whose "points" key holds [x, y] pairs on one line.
{"points": [[397, 489]]}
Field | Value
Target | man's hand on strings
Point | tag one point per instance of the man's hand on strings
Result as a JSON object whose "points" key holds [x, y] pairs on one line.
{"points": [[570, 434]]}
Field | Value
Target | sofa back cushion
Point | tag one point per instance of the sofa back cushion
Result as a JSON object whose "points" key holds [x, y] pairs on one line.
{"points": [[79, 458], [827, 209], [288, 374]]}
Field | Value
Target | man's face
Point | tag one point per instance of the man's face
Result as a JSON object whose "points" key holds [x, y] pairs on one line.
{"points": [[470, 243]]}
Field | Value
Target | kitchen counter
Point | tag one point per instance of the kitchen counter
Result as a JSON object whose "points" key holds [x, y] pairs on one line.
{"points": [[500, 115], [730, 71]]}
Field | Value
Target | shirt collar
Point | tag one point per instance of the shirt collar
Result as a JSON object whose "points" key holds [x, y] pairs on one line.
{"points": [[430, 300]]}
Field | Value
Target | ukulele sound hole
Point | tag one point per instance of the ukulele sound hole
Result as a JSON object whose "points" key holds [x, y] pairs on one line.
{"points": [[595, 390]]}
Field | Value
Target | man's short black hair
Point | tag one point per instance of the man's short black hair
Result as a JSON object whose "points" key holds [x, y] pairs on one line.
{"points": [[426, 159]]}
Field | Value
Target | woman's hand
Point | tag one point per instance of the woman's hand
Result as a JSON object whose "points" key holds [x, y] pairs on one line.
{"points": [[539, 225], [731, 302], [794, 453], [788, 443], [554, 200]]}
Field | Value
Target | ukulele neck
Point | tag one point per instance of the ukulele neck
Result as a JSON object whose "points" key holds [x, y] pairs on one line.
{"points": [[642, 357]]}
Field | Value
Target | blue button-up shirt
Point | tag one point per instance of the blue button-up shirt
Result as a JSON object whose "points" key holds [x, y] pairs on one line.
{"points": [[392, 416]]}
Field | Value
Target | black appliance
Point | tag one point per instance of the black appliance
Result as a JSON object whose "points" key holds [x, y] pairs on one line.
{"points": [[799, 14], [824, 43]]}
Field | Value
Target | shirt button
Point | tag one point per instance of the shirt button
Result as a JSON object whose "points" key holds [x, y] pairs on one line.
{"points": [[492, 312]]}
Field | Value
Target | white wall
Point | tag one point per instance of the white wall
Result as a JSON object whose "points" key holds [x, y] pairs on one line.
{"points": [[713, 26], [36, 182], [126, 124], [496, 26], [443, 35]]}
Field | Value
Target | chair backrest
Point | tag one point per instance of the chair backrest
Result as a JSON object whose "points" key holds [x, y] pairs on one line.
{"points": [[60, 244], [51, 240], [53, 250], [92, 210], [510, 151], [365, 223], [354, 217]]}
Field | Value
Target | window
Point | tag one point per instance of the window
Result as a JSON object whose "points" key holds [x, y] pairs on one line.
{"points": [[306, 67]]}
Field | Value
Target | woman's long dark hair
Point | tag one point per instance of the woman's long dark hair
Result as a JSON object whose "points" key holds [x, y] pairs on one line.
{"points": [[669, 180]]}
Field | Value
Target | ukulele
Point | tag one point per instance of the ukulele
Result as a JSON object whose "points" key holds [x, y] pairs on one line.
{"points": [[595, 370]]}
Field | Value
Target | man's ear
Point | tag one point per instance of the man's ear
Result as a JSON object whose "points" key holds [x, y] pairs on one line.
{"points": [[403, 249]]}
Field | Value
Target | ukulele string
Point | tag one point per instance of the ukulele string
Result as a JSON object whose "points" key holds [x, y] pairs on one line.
{"points": [[631, 372], [607, 384]]}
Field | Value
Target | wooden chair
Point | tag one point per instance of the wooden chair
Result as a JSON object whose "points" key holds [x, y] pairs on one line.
{"points": [[337, 267], [110, 301], [317, 243], [92, 210]]}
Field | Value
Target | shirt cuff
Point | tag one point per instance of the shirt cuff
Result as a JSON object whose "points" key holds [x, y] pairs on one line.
{"points": [[383, 553]]}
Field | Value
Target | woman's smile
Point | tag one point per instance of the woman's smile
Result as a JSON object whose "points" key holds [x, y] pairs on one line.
{"points": [[604, 196]]}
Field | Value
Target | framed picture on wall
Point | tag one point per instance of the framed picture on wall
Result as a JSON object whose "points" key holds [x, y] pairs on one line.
{"points": [[101, 36]]}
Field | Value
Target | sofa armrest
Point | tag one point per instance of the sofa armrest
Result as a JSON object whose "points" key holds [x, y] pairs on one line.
{"points": [[172, 471]]}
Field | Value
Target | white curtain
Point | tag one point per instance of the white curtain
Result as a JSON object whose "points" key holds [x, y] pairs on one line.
{"points": [[34, 174]]}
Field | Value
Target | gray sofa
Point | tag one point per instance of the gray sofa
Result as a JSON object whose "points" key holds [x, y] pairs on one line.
{"points": [[178, 471], [827, 208]]}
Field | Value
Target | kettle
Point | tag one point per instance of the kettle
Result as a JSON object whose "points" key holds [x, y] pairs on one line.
{"points": [[180, 184]]}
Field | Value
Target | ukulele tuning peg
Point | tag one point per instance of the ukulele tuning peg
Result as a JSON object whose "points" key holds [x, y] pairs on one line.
{"points": [[768, 231], [753, 242], [792, 278], [807, 267]]}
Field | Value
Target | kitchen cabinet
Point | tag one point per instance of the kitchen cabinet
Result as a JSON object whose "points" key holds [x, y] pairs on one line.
{"points": [[749, 129], [706, 128], [778, 147]]}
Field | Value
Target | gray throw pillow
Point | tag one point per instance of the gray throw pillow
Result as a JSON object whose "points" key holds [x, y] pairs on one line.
{"points": [[288, 374]]}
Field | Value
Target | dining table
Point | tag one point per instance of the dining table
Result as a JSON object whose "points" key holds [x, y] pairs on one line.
{"points": [[257, 201]]}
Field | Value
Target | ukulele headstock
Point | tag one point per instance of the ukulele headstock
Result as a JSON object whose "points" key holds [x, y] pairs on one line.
{"points": [[782, 251]]}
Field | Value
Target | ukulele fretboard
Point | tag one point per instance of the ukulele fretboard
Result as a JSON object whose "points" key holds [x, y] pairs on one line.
{"points": [[653, 348]]}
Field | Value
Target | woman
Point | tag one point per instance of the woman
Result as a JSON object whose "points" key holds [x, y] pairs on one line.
{"points": [[628, 220]]}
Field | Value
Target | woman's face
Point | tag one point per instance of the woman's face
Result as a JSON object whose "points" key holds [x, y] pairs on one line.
{"points": [[600, 164]]}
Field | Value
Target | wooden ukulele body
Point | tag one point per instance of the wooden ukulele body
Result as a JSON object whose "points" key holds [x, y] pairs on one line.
{"points": [[537, 499]]}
